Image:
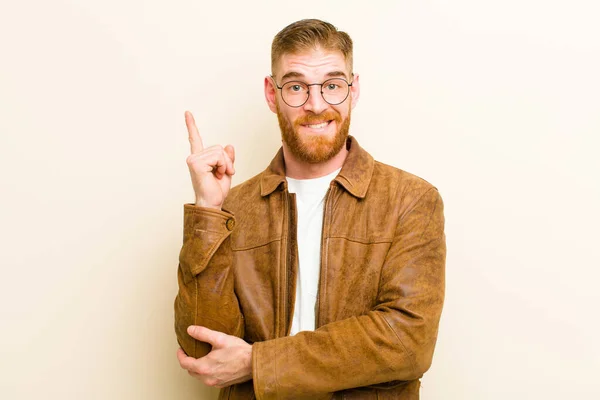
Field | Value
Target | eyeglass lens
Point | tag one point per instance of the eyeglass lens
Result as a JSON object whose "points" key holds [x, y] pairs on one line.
{"points": [[334, 91]]}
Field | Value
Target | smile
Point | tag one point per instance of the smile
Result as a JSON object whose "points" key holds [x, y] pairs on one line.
{"points": [[318, 126]]}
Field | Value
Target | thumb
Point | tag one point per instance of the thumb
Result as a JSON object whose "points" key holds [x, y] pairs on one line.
{"points": [[204, 334]]}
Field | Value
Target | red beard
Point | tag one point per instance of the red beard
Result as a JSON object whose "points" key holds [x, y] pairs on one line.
{"points": [[314, 149]]}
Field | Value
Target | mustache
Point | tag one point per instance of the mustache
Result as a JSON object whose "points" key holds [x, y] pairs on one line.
{"points": [[310, 119]]}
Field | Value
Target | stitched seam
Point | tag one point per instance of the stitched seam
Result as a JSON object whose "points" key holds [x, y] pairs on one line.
{"points": [[282, 259], [206, 230], [326, 264], [221, 213], [363, 241], [255, 246], [410, 355], [195, 316]]}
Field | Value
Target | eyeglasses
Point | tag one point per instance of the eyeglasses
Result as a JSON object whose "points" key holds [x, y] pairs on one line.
{"points": [[295, 93]]}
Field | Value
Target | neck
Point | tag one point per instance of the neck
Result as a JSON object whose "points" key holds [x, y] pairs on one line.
{"points": [[298, 169]]}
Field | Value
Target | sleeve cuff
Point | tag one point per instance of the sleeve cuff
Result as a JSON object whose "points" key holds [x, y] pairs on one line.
{"points": [[204, 230]]}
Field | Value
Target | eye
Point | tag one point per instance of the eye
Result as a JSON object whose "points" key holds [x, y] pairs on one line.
{"points": [[296, 88], [332, 86]]}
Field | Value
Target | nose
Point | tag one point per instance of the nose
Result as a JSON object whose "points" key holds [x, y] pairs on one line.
{"points": [[315, 102]]}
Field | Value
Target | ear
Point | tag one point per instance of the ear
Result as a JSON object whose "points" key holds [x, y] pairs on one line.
{"points": [[271, 93], [355, 90]]}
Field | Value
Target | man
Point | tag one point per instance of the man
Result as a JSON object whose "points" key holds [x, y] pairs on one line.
{"points": [[323, 276]]}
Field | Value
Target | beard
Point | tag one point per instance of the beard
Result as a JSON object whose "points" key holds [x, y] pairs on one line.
{"points": [[314, 149]]}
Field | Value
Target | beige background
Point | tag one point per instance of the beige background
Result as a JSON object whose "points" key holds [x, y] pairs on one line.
{"points": [[496, 103]]}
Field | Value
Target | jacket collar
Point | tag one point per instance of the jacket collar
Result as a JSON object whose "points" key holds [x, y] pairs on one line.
{"points": [[355, 175]]}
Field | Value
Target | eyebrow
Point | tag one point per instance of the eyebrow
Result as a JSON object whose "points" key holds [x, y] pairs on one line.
{"points": [[332, 74]]}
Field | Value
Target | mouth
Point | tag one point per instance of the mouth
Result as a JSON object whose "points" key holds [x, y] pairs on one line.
{"points": [[318, 126]]}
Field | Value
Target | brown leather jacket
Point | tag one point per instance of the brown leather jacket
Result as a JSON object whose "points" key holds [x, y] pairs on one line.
{"points": [[381, 285]]}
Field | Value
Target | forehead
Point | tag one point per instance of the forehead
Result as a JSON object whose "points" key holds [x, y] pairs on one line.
{"points": [[312, 64]]}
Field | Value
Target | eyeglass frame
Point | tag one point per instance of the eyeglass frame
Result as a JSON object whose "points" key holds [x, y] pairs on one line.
{"points": [[314, 84]]}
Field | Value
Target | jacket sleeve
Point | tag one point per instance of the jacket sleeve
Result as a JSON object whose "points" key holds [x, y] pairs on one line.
{"points": [[205, 278], [392, 342]]}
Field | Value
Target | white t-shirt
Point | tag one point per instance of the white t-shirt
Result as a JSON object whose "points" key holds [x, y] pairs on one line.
{"points": [[310, 197]]}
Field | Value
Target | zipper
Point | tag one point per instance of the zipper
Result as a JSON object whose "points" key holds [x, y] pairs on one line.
{"points": [[292, 240], [284, 288], [322, 261]]}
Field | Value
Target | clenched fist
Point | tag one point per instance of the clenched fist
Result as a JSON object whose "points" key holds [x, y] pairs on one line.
{"points": [[211, 168]]}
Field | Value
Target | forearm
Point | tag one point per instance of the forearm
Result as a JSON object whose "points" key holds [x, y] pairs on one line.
{"points": [[355, 352], [206, 295]]}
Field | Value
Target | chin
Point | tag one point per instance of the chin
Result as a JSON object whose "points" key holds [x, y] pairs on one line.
{"points": [[317, 149]]}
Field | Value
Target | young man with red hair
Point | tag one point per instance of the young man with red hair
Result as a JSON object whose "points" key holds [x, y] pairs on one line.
{"points": [[323, 276]]}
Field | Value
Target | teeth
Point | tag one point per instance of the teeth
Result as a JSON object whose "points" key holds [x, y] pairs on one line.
{"points": [[318, 126]]}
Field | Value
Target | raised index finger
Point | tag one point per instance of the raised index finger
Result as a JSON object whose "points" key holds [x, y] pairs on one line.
{"points": [[196, 145]]}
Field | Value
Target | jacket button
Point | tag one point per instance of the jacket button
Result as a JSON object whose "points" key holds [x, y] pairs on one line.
{"points": [[230, 224]]}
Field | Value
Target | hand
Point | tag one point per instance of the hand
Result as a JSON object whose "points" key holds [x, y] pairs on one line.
{"points": [[229, 361], [211, 169]]}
